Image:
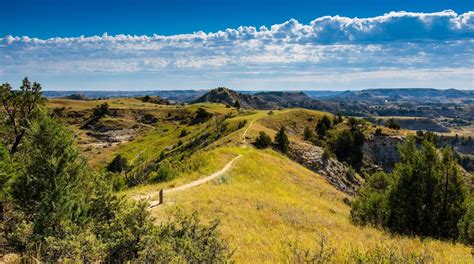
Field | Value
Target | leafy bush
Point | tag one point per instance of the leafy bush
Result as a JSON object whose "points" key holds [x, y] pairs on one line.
{"points": [[242, 124], [263, 140], [118, 164], [323, 126], [347, 146], [309, 134], [185, 240], [101, 110], [201, 115]]}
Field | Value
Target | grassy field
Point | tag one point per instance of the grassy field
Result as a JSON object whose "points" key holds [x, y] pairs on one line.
{"points": [[267, 201]]}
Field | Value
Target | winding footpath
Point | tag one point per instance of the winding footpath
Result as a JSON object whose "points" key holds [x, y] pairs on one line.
{"points": [[198, 182]]}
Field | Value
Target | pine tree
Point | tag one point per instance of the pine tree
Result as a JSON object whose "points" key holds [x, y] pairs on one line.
{"points": [[19, 109], [281, 139], [237, 105], [54, 182]]}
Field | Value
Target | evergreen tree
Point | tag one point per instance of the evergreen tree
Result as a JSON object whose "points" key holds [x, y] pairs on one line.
{"points": [[54, 182], [237, 105], [347, 146], [281, 139], [427, 197], [323, 126], [19, 109]]}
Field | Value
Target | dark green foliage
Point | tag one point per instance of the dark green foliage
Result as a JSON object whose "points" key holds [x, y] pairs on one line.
{"points": [[347, 146], [52, 186], [281, 140], [7, 173], [466, 225], [98, 112], [202, 115], [263, 140], [391, 123], [323, 126], [165, 172], [183, 133], [371, 205], [327, 154], [62, 212], [101, 110], [237, 105], [19, 109], [309, 134], [118, 164], [424, 195], [242, 124]]}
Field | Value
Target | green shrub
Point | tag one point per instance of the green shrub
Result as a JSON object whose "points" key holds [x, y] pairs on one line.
{"points": [[466, 225], [118, 164], [323, 126], [263, 140], [281, 140], [183, 133]]}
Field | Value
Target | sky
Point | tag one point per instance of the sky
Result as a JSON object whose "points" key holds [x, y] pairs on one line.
{"points": [[243, 45]]}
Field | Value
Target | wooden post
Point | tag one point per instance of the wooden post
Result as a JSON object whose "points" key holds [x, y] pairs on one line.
{"points": [[161, 196]]}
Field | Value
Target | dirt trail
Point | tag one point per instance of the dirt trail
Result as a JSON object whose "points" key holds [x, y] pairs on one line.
{"points": [[195, 183], [244, 139]]}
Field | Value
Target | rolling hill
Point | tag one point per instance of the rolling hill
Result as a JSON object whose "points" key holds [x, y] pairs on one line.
{"points": [[268, 204]]}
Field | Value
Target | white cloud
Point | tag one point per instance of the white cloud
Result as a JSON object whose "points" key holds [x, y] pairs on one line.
{"points": [[402, 41]]}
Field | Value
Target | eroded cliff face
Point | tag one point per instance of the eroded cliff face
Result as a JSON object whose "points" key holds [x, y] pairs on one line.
{"points": [[381, 153], [334, 171]]}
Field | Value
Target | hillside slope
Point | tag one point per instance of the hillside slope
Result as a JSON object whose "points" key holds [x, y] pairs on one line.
{"points": [[268, 203]]}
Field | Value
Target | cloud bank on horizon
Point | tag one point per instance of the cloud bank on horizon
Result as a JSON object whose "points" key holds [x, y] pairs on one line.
{"points": [[398, 49]]}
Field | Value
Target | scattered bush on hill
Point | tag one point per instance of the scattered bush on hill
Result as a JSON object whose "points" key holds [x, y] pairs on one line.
{"points": [[347, 146], [202, 115], [183, 133], [118, 164], [281, 140], [323, 126], [263, 140]]}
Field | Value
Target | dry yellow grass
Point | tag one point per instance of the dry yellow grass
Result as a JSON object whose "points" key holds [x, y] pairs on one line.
{"points": [[267, 200]]}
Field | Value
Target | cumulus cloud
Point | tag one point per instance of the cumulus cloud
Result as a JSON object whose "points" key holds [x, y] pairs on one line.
{"points": [[397, 40]]}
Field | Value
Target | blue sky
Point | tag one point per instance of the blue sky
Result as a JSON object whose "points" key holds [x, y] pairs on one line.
{"points": [[201, 44]]}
